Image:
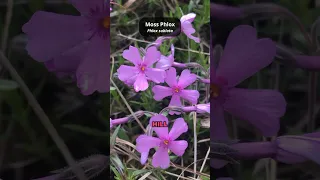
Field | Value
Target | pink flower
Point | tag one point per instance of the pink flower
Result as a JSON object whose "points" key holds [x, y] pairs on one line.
{"points": [[177, 89], [166, 62], [203, 108], [243, 56], [187, 28], [199, 108], [56, 40], [111, 124], [139, 75], [165, 141]]}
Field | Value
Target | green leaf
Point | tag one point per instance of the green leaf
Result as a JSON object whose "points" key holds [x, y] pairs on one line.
{"points": [[138, 172], [114, 136], [8, 85], [123, 135]]}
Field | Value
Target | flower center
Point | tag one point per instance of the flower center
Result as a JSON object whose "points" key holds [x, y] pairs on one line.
{"points": [[106, 22], [176, 90], [142, 68], [166, 142], [215, 90]]}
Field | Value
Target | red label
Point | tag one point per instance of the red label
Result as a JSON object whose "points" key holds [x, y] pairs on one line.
{"points": [[159, 124]]}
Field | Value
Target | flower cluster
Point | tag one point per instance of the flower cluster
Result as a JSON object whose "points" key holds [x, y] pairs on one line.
{"points": [[149, 65]]}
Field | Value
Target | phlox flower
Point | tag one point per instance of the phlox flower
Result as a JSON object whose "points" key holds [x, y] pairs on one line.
{"points": [[56, 40], [243, 56], [177, 89], [186, 26], [203, 108], [166, 62], [165, 141], [199, 108], [142, 71]]}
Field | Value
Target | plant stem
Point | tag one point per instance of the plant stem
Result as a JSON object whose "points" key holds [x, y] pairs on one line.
{"points": [[43, 117], [195, 143]]}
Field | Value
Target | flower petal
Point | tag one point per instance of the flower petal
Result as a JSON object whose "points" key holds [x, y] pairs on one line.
{"points": [[132, 55], [85, 7], [190, 95], [145, 143], [186, 78], [261, 108], [188, 30], [162, 132], [125, 72], [175, 101], [244, 55], [93, 72], [156, 75], [171, 77], [179, 127], [161, 158], [178, 147], [68, 61], [144, 157], [48, 40], [203, 108], [164, 62], [152, 56], [141, 83], [188, 17], [161, 92]]}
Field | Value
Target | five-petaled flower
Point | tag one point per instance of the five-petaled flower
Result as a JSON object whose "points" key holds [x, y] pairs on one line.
{"points": [[243, 56], [74, 45], [177, 89], [165, 141], [142, 71], [166, 62], [187, 28]]}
